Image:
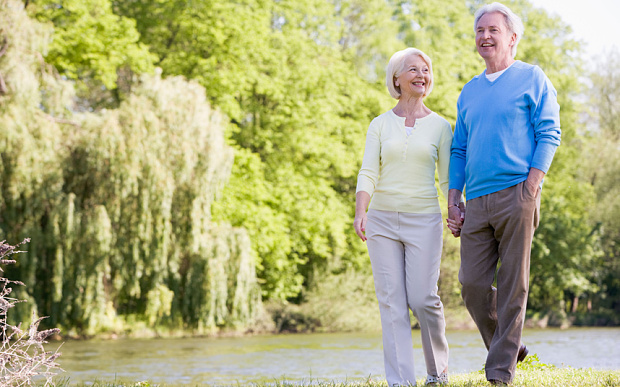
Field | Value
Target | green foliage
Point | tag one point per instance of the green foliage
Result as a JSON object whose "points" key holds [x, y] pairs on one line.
{"points": [[120, 205], [443, 30], [308, 86], [299, 110], [221, 44], [256, 209], [90, 43], [530, 363], [344, 303], [601, 171], [368, 36], [565, 249], [168, 230], [533, 363]]}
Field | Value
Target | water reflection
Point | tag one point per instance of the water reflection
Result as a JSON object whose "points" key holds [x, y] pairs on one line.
{"points": [[337, 357]]}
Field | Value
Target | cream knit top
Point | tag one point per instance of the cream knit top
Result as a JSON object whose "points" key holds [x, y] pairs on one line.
{"points": [[398, 170]]}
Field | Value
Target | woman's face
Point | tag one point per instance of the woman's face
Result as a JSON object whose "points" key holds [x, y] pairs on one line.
{"points": [[493, 38], [414, 78]]}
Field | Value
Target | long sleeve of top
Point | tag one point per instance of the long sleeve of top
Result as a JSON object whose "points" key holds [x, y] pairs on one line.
{"points": [[503, 129], [398, 170]]}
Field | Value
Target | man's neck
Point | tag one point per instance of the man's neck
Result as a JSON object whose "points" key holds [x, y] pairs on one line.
{"points": [[495, 66]]}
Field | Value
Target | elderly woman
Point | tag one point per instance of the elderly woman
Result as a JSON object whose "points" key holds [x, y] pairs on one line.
{"points": [[403, 226]]}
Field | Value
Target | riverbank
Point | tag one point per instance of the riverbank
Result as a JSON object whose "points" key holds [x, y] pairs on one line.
{"points": [[339, 305], [251, 360], [335, 316], [285, 318], [554, 377]]}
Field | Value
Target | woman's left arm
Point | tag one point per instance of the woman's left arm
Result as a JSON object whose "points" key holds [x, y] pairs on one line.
{"points": [[443, 159]]}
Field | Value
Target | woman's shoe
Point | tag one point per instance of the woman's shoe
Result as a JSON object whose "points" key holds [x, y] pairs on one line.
{"points": [[437, 380]]}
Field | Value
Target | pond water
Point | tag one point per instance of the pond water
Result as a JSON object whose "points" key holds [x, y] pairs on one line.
{"points": [[303, 358]]}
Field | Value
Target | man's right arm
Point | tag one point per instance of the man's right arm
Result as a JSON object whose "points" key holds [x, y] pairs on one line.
{"points": [[458, 153], [456, 209]]}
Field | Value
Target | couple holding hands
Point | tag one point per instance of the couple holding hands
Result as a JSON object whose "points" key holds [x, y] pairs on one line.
{"points": [[506, 134]]}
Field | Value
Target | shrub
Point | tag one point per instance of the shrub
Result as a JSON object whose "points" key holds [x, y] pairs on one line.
{"points": [[22, 356]]}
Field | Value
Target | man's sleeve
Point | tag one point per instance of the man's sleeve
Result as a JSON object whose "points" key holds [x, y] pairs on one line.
{"points": [[545, 118], [458, 153]]}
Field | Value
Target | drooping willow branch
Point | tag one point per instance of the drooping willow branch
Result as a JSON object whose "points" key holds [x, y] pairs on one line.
{"points": [[3, 88]]}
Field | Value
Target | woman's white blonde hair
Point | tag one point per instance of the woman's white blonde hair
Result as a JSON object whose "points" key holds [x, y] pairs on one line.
{"points": [[513, 22], [396, 66]]}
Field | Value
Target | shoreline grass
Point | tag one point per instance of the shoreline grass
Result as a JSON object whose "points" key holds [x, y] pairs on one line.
{"points": [[553, 377]]}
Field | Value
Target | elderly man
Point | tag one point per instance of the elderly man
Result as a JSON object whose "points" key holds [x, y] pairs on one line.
{"points": [[506, 134]]}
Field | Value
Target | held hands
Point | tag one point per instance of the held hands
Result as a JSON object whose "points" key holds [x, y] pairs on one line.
{"points": [[360, 226], [456, 217]]}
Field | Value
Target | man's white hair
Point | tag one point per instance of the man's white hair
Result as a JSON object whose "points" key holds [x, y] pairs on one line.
{"points": [[513, 22]]}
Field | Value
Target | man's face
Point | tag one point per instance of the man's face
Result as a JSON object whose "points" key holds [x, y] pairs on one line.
{"points": [[493, 38]]}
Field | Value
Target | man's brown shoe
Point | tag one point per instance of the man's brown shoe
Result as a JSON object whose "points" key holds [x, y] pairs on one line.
{"points": [[523, 351]]}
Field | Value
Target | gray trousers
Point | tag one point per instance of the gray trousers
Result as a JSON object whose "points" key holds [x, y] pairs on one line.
{"points": [[405, 253], [499, 228]]}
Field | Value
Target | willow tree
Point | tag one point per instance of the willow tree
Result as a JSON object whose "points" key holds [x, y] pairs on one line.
{"points": [[118, 203]]}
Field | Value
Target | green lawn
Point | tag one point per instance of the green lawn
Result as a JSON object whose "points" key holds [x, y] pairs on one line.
{"points": [[552, 377], [530, 373]]}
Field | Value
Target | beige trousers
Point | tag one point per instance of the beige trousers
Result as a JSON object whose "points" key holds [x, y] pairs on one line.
{"points": [[405, 252], [499, 227]]}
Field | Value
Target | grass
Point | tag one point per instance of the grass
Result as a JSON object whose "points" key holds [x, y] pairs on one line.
{"points": [[547, 377]]}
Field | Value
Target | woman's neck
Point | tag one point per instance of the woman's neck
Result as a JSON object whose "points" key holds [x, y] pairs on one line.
{"points": [[411, 108]]}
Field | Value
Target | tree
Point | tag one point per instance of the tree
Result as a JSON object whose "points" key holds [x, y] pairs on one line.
{"points": [[601, 168], [298, 82], [443, 30], [299, 111], [92, 46], [119, 201]]}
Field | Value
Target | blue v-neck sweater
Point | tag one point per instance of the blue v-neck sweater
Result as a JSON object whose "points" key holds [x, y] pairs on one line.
{"points": [[503, 129]]}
